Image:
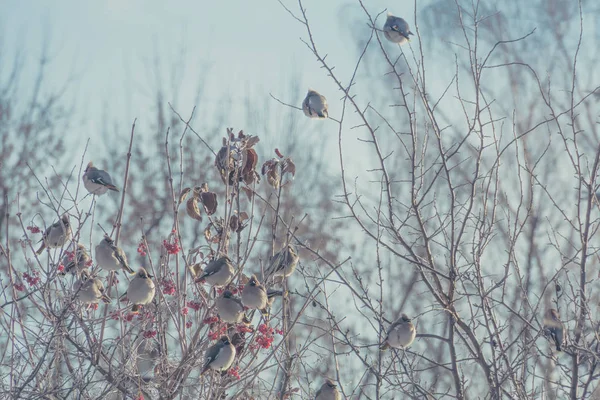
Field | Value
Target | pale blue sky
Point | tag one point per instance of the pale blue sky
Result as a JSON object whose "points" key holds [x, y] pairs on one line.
{"points": [[250, 47]]}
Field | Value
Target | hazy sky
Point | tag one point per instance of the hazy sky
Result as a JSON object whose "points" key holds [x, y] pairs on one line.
{"points": [[110, 45]]}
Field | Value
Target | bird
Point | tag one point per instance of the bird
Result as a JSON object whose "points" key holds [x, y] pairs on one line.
{"points": [[230, 308], [283, 263], [111, 257], [141, 290], [97, 181], [219, 356], [57, 234], [254, 294], [396, 30], [328, 391], [554, 328], [90, 290], [315, 105], [147, 358], [75, 261], [218, 272], [400, 334]]}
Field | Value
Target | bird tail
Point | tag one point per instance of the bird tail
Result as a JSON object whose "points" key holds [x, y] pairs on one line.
{"points": [[206, 368], [106, 299], [39, 251], [275, 293], [112, 187], [323, 114], [128, 269], [135, 308], [266, 312]]}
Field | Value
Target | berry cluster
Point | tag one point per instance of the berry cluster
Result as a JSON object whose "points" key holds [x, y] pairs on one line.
{"points": [[149, 334], [220, 330], [234, 371], [142, 249], [33, 229], [172, 245], [61, 268], [243, 328], [210, 320], [32, 280], [168, 287], [265, 336], [70, 255], [194, 305]]}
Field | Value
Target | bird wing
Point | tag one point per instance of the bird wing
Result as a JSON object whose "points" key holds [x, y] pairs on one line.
{"points": [[211, 354], [120, 256], [100, 177]]}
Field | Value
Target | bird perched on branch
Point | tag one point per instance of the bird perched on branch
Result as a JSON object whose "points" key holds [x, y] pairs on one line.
{"points": [[554, 328], [90, 290], [219, 356], [218, 272], [315, 105], [141, 290], [230, 308], [254, 294], [76, 261], [328, 391], [57, 234], [396, 30], [400, 334], [283, 263], [111, 257], [97, 181]]}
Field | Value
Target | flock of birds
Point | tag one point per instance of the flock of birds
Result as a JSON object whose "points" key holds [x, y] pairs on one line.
{"points": [[219, 272]]}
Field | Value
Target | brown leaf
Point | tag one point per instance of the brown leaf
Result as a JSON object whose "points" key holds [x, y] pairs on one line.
{"points": [[252, 140], [183, 195], [289, 167], [196, 270], [192, 209], [209, 201], [249, 192]]}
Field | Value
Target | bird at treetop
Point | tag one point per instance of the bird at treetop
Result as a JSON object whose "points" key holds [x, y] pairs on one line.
{"points": [[315, 105], [396, 30], [57, 234], [400, 334], [97, 181]]}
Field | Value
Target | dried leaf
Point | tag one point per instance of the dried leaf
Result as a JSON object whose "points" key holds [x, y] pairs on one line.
{"points": [[209, 201], [289, 167], [196, 270], [183, 195], [252, 140], [249, 192], [192, 209]]}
